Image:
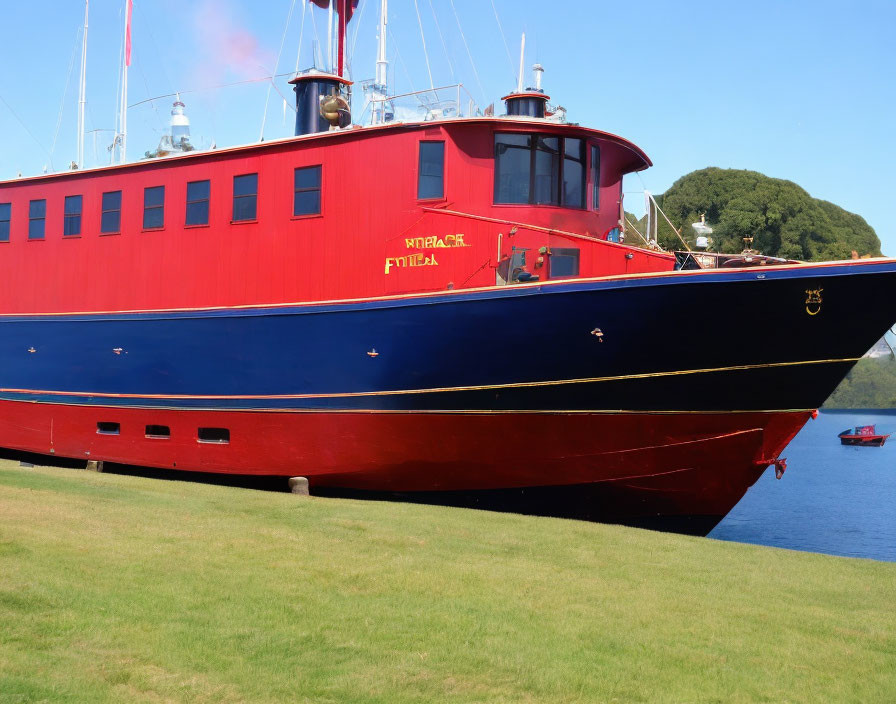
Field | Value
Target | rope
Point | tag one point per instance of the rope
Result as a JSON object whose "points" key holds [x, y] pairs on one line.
{"points": [[357, 30], [442, 39], [425, 52], [267, 98], [469, 55], [646, 241], [301, 37], [677, 232], [68, 80], [24, 126], [504, 39], [202, 90]]}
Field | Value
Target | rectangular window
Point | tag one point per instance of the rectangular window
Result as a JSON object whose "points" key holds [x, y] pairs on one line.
{"points": [[306, 194], [153, 207], [158, 431], [547, 171], [198, 196], [71, 223], [111, 219], [513, 167], [595, 177], [245, 197], [108, 428], [431, 172], [539, 170], [564, 262], [5, 217], [215, 435], [573, 195], [37, 218]]}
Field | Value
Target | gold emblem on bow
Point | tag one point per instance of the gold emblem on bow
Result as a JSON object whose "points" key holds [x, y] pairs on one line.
{"points": [[813, 300]]}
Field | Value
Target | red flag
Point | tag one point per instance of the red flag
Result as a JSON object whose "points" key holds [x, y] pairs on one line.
{"points": [[127, 34]]}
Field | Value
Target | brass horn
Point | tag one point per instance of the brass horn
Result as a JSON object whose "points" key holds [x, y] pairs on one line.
{"points": [[334, 109]]}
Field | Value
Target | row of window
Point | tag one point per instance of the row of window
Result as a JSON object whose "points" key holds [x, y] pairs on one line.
{"points": [[530, 169], [220, 436], [306, 201]]}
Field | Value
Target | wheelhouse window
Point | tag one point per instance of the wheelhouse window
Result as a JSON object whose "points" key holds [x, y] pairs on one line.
{"points": [[539, 170], [573, 195], [153, 207], [431, 171], [198, 197], [306, 191], [245, 197], [71, 222], [5, 217], [111, 218], [37, 219], [595, 177], [513, 165], [564, 262]]}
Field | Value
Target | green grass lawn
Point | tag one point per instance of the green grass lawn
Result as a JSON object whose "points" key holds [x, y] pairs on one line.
{"points": [[125, 589]]}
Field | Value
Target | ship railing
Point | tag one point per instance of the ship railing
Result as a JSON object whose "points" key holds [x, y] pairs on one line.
{"points": [[420, 105]]}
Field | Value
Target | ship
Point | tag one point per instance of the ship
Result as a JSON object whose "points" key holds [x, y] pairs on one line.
{"points": [[443, 309]]}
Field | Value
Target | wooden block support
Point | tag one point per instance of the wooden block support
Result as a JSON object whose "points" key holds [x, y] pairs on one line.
{"points": [[298, 485], [94, 465]]}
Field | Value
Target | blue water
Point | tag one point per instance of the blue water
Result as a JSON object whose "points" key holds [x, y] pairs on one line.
{"points": [[832, 499]]}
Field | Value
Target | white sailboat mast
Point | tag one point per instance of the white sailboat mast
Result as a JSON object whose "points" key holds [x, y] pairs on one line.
{"points": [[382, 65], [124, 80], [82, 90]]}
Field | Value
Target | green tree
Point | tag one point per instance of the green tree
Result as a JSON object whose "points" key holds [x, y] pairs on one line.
{"points": [[782, 218]]}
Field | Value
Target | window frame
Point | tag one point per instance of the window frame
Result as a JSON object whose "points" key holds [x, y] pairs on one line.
{"points": [[68, 217], [151, 210], [207, 200], [420, 174], [6, 223], [254, 195], [104, 211], [594, 175], [558, 178], [32, 219], [308, 189]]}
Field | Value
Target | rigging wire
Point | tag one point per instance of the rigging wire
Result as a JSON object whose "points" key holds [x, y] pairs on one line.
{"points": [[442, 39], [355, 38], [504, 39], [25, 127], [400, 60], [267, 98], [260, 79], [425, 52], [469, 55], [301, 37], [68, 80]]}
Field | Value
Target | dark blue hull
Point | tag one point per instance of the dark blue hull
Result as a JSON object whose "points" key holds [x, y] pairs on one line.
{"points": [[745, 340]]}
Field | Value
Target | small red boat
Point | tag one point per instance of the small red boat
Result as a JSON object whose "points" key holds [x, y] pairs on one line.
{"points": [[862, 435]]}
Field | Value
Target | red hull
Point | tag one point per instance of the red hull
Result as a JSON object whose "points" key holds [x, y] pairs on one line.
{"points": [[659, 464], [863, 440]]}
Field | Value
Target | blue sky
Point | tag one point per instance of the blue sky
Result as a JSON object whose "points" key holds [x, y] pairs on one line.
{"points": [[795, 89]]}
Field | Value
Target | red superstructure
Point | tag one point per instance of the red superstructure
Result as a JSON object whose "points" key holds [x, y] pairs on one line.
{"points": [[370, 221]]}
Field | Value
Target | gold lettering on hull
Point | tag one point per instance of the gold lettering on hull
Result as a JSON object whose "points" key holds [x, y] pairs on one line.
{"points": [[433, 242], [410, 260]]}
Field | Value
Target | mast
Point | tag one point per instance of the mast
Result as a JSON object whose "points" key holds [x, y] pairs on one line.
{"points": [[128, 5], [382, 65], [519, 83], [82, 91], [381, 89]]}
